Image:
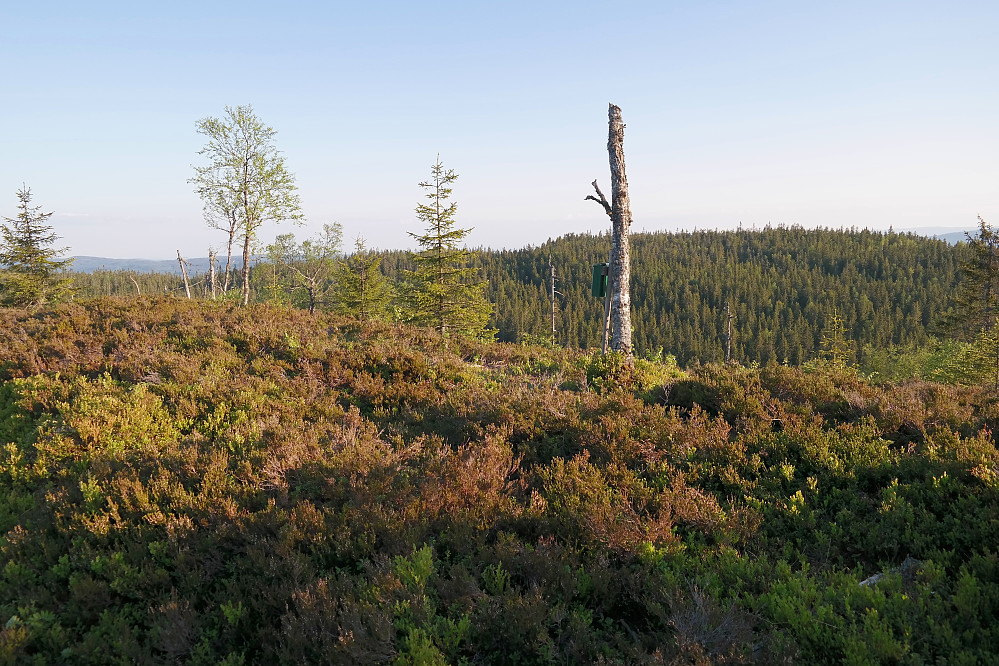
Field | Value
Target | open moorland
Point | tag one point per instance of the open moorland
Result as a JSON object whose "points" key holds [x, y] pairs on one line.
{"points": [[192, 482]]}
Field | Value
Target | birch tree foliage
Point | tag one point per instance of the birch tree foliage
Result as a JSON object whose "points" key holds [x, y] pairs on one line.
{"points": [[442, 291], [30, 270], [245, 183], [303, 274]]}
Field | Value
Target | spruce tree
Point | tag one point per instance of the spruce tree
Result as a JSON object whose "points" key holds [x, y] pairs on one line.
{"points": [[976, 315], [834, 345], [32, 272], [977, 299], [442, 291], [362, 291]]}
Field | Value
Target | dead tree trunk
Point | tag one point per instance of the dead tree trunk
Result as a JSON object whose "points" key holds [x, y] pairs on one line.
{"points": [[183, 269], [554, 292], [728, 333], [617, 319], [211, 272], [621, 247]]}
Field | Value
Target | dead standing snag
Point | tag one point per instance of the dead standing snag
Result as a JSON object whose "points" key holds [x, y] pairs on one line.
{"points": [[617, 319]]}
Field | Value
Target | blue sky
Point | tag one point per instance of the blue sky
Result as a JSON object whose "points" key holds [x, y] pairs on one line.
{"points": [[871, 114]]}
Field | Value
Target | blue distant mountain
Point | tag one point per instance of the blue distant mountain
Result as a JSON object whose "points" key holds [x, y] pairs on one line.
{"points": [[955, 237], [86, 264], [949, 235]]}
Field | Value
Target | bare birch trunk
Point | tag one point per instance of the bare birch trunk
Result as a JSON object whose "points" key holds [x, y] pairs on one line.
{"points": [[620, 268], [551, 267], [246, 269], [228, 263], [249, 228], [211, 272], [183, 269]]}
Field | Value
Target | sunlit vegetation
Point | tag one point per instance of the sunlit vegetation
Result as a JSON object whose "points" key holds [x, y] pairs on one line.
{"points": [[31, 271], [195, 482]]}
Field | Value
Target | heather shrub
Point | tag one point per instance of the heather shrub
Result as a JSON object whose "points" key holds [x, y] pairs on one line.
{"points": [[202, 483]]}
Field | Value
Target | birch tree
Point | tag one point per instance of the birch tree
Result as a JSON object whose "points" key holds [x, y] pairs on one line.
{"points": [[245, 183], [307, 269]]}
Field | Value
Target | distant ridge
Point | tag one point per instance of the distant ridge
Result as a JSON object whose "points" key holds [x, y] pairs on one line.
{"points": [[956, 237], [86, 264]]}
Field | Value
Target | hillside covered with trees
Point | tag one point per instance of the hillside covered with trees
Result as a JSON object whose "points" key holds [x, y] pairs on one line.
{"points": [[784, 286], [196, 482]]}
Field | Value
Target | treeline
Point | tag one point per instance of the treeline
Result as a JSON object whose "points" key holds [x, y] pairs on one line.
{"points": [[786, 286], [125, 283]]}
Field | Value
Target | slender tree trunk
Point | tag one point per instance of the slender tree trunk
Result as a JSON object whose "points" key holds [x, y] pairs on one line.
{"points": [[246, 268], [211, 273], [249, 228], [363, 297], [551, 266], [228, 260], [183, 269], [620, 273], [728, 333]]}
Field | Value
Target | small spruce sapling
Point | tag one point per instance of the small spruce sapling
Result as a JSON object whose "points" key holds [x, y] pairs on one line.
{"points": [[32, 273]]}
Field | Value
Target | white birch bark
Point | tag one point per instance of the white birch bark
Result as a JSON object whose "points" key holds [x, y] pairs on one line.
{"points": [[183, 269], [211, 272]]}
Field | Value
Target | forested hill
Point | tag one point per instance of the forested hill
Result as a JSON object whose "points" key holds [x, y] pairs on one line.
{"points": [[784, 284]]}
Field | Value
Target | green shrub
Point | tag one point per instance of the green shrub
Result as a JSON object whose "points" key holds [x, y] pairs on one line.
{"points": [[201, 483]]}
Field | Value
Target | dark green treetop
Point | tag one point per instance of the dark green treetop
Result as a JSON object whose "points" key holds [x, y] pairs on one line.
{"points": [[442, 291], [835, 347], [32, 269], [361, 289], [977, 299]]}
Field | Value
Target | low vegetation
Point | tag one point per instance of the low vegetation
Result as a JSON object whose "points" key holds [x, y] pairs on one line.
{"points": [[192, 482]]}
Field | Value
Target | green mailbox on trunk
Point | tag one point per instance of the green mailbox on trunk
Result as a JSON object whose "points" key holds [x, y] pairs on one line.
{"points": [[600, 271]]}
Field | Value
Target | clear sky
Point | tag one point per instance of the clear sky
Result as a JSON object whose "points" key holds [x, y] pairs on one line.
{"points": [[814, 113]]}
